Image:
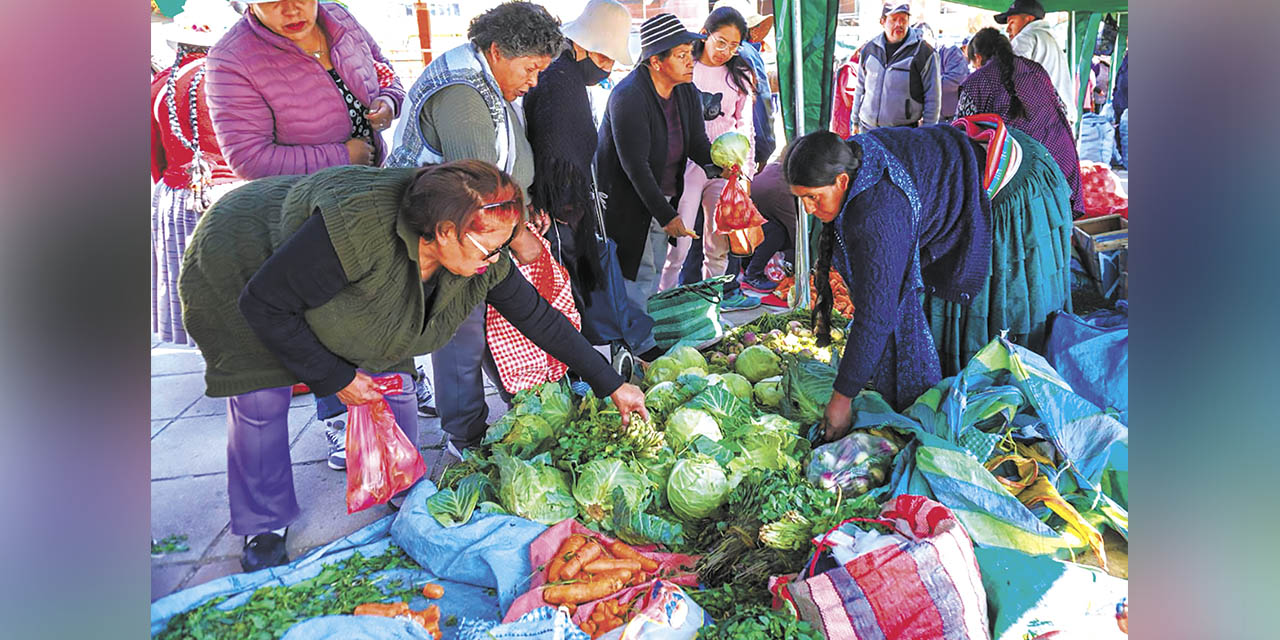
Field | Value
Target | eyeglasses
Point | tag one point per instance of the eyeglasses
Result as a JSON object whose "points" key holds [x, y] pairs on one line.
{"points": [[488, 255], [722, 45]]}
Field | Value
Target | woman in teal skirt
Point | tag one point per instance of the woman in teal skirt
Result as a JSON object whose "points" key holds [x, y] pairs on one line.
{"points": [[947, 235], [1030, 274]]}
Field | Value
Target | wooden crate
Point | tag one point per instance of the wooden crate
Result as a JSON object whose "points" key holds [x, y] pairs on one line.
{"points": [[1099, 239]]}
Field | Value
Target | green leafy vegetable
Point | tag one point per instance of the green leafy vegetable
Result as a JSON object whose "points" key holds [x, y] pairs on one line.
{"points": [[791, 532], [759, 623], [725, 407], [729, 149], [806, 389], [768, 392], [697, 487], [740, 386], [756, 363], [174, 543], [688, 358], [664, 369], [593, 490], [557, 405], [718, 452], [534, 489], [686, 424], [270, 611], [452, 507], [633, 526]]}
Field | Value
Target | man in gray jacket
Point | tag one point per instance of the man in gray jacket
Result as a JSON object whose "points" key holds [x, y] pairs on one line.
{"points": [[899, 80]]}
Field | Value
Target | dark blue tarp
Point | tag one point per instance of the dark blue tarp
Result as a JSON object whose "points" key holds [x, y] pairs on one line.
{"points": [[1092, 355]]}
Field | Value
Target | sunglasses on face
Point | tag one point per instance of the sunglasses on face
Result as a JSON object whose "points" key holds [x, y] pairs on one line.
{"points": [[488, 255]]}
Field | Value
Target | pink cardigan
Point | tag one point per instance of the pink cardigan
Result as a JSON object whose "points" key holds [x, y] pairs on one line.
{"points": [[276, 110]]}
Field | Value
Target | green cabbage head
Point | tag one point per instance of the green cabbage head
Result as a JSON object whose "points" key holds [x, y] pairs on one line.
{"points": [[534, 489], [688, 358], [769, 392], [696, 487], [593, 490], [758, 362], [686, 424], [729, 149], [664, 369], [739, 385]]}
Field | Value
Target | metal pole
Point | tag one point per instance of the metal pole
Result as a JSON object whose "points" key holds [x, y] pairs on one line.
{"points": [[802, 219]]}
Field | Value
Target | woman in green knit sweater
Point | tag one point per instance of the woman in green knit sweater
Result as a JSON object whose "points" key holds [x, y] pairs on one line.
{"points": [[350, 272]]}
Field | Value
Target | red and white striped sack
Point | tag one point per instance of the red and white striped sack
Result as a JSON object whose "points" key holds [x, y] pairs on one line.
{"points": [[926, 588]]}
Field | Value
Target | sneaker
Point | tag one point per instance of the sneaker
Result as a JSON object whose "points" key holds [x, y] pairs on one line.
{"points": [[623, 362], [336, 433], [772, 300], [759, 285], [739, 302], [264, 550], [426, 396]]}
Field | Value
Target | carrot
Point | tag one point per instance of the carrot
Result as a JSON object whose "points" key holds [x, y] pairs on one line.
{"points": [[597, 616], [588, 628], [386, 610], [586, 591], [563, 554], [598, 566], [433, 591], [608, 624], [589, 552], [624, 550]]}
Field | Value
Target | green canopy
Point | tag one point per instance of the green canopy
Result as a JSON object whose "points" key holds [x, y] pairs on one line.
{"points": [[1101, 6]]}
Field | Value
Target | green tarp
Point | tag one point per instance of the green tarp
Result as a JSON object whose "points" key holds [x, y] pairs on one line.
{"points": [[818, 38]]}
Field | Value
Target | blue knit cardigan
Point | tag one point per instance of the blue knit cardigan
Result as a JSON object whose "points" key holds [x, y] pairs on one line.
{"points": [[880, 226]]}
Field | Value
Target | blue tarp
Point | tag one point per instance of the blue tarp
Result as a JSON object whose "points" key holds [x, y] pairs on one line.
{"points": [[957, 424], [1092, 355], [490, 553]]}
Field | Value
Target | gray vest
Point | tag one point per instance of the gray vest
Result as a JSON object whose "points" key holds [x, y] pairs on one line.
{"points": [[887, 101]]}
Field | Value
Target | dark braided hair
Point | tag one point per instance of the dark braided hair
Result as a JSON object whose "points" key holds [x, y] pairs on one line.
{"points": [[741, 74], [994, 46], [815, 160]]}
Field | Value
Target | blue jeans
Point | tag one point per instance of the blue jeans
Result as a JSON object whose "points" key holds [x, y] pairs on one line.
{"points": [[692, 271]]}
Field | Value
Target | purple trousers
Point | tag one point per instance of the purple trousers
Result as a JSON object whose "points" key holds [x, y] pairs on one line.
{"points": [[259, 469]]}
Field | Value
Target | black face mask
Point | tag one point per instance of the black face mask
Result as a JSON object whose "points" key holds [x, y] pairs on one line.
{"points": [[591, 74]]}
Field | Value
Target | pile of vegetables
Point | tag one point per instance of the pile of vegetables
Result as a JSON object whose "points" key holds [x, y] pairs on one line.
{"points": [[840, 298], [586, 569]]}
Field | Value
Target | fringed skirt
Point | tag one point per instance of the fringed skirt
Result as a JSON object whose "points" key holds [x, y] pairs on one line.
{"points": [[172, 223], [1030, 275]]}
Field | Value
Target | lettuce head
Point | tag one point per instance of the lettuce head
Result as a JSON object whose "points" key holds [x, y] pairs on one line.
{"points": [[686, 424], [696, 487]]}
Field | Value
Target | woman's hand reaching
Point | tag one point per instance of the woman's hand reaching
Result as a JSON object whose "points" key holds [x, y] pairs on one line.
{"points": [[629, 398], [360, 390]]}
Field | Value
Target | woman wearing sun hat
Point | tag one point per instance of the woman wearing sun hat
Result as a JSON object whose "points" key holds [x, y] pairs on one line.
{"points": [[652, 126], [187, 166]]}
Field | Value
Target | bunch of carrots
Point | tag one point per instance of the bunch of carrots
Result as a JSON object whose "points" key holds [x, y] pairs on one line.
{"points": [[839, 293], [585, 569], [428, 618]]}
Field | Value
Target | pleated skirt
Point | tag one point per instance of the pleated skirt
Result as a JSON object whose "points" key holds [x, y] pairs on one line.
{"points": [[1030, 272]]}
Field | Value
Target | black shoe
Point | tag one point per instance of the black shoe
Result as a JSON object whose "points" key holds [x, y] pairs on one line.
{"points": [[264, 550]]}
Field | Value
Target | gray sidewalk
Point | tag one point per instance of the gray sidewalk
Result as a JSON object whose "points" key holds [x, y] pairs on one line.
{"points": [[189, 481], [189, 465]]}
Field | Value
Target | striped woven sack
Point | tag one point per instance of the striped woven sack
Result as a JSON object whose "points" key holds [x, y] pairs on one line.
{"points": [[927, 588], [689, 315]]}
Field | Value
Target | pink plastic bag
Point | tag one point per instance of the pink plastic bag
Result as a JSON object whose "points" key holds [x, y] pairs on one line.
{"points": [[672, 567], [1103, 193], [380, 459]]}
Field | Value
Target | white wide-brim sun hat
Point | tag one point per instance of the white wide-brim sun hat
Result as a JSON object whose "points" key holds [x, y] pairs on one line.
{"points": [[604, 27], [202, 23]]}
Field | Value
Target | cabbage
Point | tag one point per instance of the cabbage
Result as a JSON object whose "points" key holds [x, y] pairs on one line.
{"points": [[557, 405], [664, 397], [688, 358], [593, 490], [773, 422], [527, 434], [739, 385], [769, 392], [664, 369], [731, 149], [757, 362], [697, 487], [686, 424], [534, 490]]}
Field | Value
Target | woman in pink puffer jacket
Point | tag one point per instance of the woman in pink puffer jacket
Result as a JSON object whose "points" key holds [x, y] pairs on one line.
{"points": [[293, 88]]}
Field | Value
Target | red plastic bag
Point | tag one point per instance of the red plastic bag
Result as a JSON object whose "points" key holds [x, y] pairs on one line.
{"points": [[734, 209], [380, 459], [1103, 194]]}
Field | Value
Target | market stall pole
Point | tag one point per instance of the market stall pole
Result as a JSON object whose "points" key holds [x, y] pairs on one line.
{"points": [[802, 219], [423, 13]]}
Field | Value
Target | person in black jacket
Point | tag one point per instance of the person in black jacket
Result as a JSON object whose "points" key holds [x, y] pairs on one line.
{"points": [[652, 126]]}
